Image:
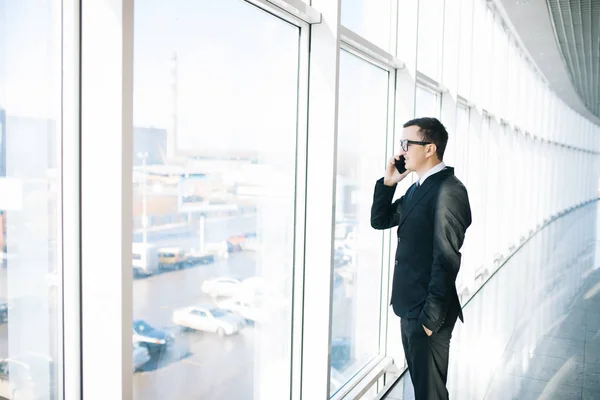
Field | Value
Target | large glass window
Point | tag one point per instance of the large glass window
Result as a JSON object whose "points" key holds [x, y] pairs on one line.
{"points": [[462, 143], [30, 267], [431, 22], [499, 71], [215, 127], [358, 247], [465, 52], [427, 103], [370, 19]]}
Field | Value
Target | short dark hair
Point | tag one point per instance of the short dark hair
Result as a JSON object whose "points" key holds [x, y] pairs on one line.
{"points": [[431, 130]]}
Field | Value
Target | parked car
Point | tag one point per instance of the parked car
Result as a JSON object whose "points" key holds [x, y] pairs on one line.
{"points": [[341, 256], [141, 356], [3, 311], [155, 340], [201, 257], [341, 353], [144, 259], [233, 287], [252, 310], [172, 258], [234, 243], [222, 287], [208, 318], [250, 244]]}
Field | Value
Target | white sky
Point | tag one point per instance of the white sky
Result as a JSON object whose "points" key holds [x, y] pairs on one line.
{"points": [[238, 67]]}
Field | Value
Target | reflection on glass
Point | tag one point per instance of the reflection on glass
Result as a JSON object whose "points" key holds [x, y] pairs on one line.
{"points": [[550, 280], [215, 100], [427, 104], [30, 289], [358, 247], [369, 19]]}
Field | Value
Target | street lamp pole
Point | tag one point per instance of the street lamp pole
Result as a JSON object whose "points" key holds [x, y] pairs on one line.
{"points": [[144, 158]]}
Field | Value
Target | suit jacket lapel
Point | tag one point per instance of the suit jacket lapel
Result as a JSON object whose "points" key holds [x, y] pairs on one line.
{"points": [[430, 182]]}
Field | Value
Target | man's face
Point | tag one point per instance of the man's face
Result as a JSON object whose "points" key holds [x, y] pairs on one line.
{"points": [[416, 154]]}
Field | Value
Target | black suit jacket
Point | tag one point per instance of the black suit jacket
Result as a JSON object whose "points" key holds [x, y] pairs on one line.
{"points": [[431, 230]]}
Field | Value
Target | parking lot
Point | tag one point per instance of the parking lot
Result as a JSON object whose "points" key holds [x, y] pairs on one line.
{"points": [[198, 365]]}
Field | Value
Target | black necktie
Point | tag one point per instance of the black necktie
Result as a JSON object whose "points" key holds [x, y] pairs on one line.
{"points": [[412, 191]]}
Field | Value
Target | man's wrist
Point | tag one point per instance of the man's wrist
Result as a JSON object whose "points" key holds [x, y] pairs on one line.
{"points": [[389, 183]]}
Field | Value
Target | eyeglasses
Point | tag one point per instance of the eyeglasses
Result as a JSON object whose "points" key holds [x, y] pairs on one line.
{"points": [[405, 142]]}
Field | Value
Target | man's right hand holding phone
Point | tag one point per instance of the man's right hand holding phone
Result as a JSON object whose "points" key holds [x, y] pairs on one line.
{"points": [[392, 174]]}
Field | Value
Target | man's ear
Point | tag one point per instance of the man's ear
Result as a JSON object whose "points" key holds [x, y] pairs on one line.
{"points": [[432, 150]]}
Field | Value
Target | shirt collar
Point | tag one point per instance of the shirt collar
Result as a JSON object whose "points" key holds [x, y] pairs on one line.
{"points": [[432, 171]]}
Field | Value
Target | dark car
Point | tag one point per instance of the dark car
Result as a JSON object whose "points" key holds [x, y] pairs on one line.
{"points": [[155, 340], [341, 257], [341, 353], [3, 312]]}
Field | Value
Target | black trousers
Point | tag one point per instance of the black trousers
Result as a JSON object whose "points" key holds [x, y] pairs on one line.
{"points": [[427, 357]]}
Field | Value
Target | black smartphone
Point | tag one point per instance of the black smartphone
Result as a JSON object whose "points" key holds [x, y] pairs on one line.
{"points": [[400, 165]]}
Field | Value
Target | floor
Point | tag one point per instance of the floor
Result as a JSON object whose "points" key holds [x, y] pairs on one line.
{"points": [[564, 364]]}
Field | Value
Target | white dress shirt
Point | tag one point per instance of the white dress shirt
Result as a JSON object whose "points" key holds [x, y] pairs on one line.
{"points": [[432, 171]]}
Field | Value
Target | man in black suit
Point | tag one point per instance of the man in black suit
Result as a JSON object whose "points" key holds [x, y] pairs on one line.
{"points": [[432, 218]]}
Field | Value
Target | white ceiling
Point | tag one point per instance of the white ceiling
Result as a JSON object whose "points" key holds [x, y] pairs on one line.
{"points": [[534, 21]]}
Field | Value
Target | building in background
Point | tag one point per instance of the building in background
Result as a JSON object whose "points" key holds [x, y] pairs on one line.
{"points": [[153, 142]]}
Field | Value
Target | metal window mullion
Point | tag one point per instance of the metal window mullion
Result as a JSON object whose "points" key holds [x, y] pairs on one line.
{"points": [[300, 214], [363, 45], [387, 248], [429, 84], [296, 12], [365, 57], [320, 200], [106, 198], [71, 205], [293, 8]]}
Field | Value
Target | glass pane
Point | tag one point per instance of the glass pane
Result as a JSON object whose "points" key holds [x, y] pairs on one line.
{"points": [[427, 104], [369, 19], [462, 143], [30, 292], [358, 257], [461, 137], [215, 101], [465, 51], [431, 18]]}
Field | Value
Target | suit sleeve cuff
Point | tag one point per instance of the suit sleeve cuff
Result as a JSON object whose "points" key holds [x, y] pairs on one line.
{"points": [[433, 326], [381, 186]]}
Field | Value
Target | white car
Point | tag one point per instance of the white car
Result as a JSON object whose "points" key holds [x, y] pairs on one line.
{"points": [[208, 318], [250, 244], [232, 287], [140, 356], [250, 309], [222, 287]]}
